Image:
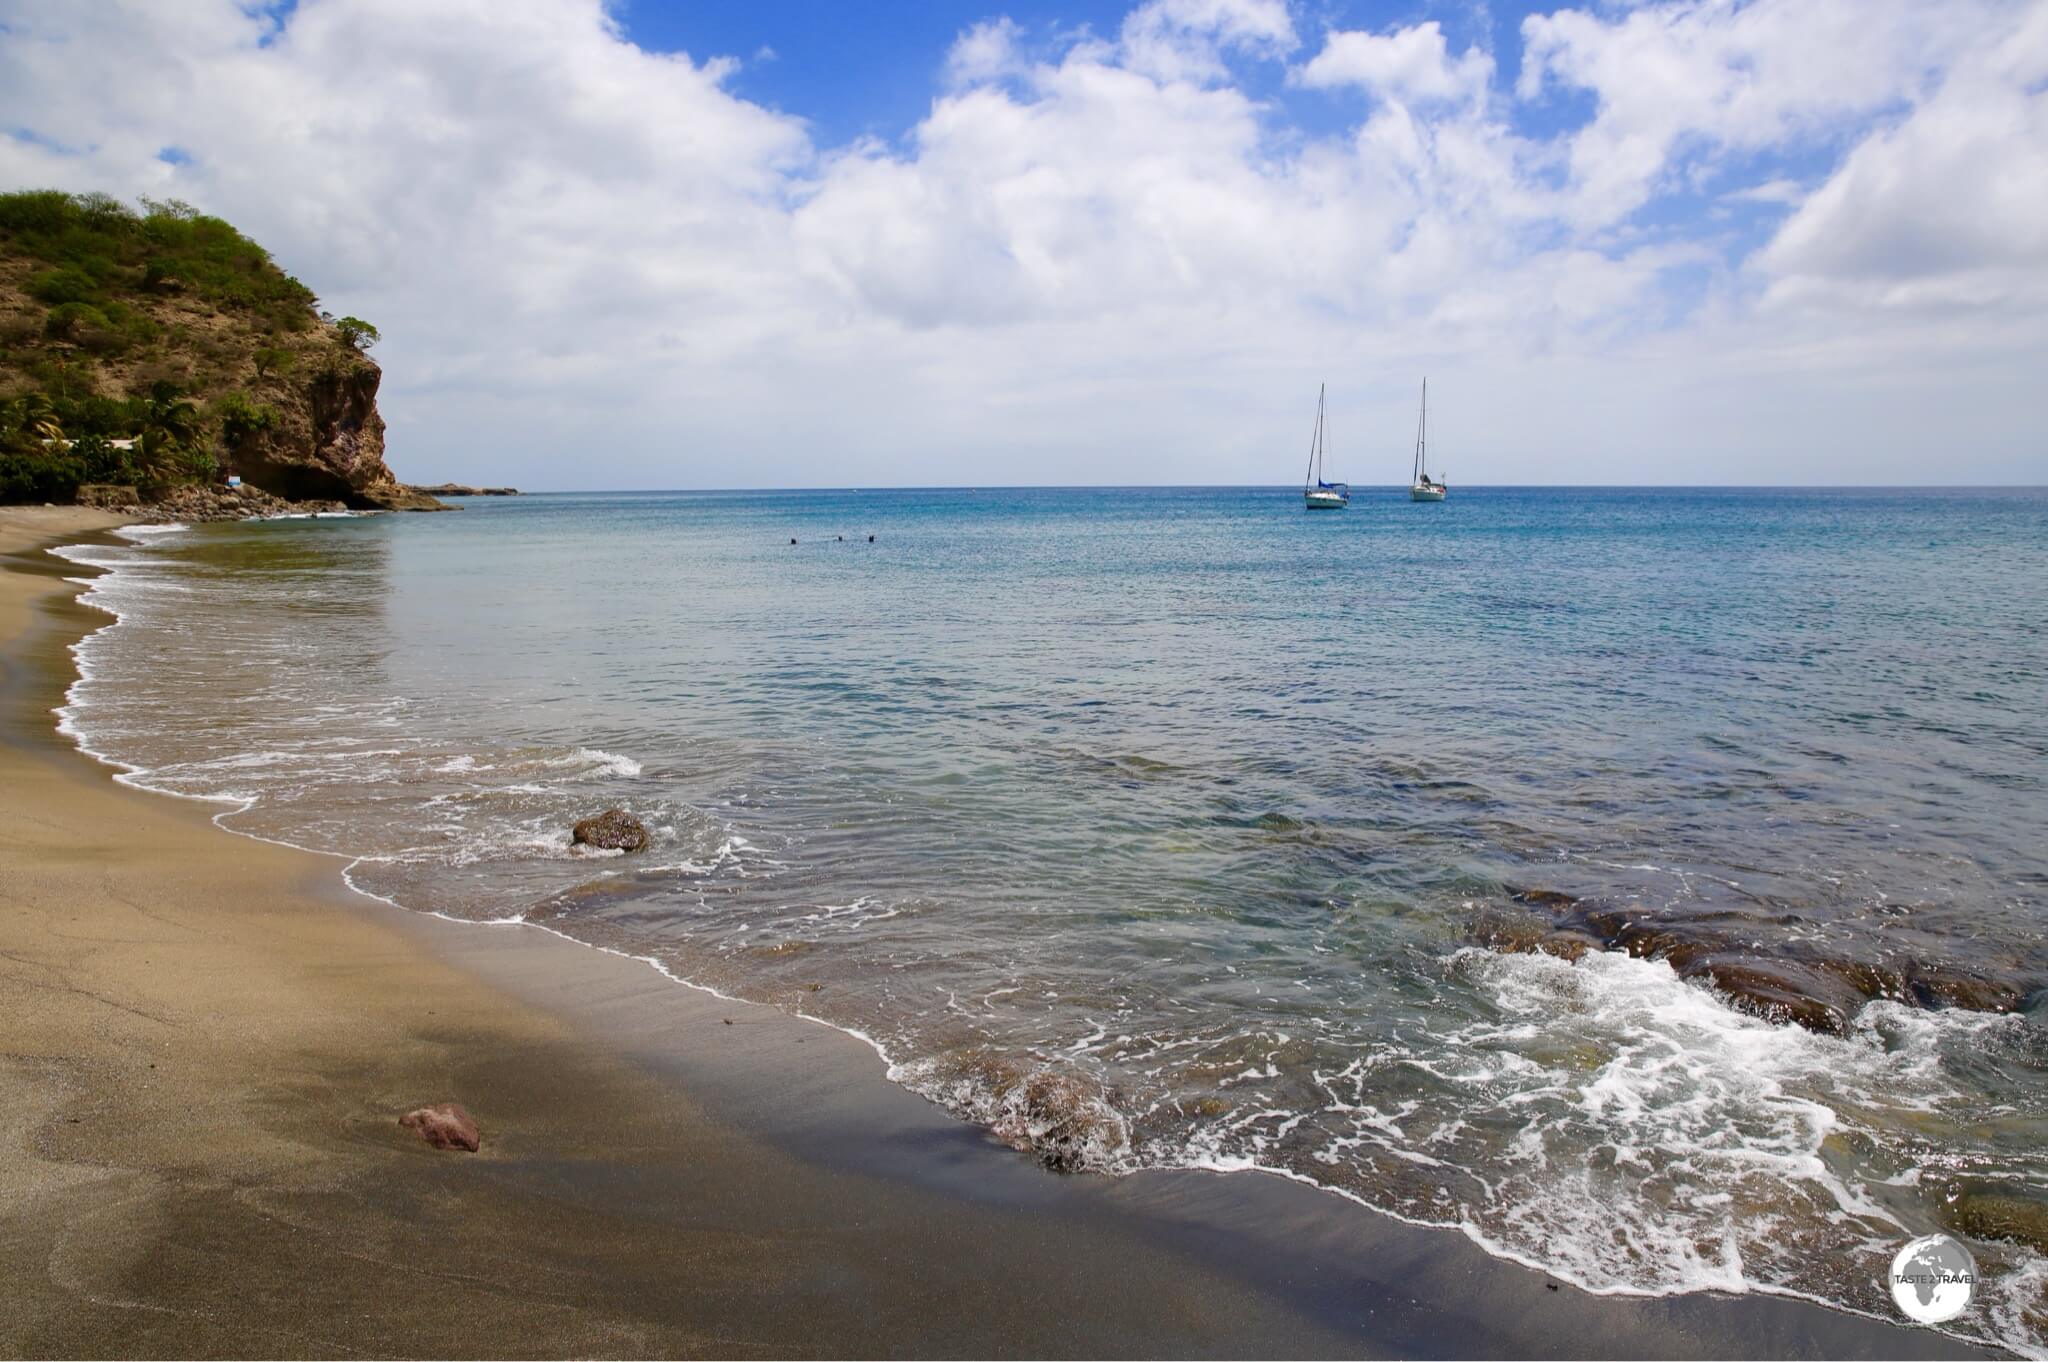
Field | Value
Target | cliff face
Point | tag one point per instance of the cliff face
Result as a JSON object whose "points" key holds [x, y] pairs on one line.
{"points": [[100, 307], [328, 441]]}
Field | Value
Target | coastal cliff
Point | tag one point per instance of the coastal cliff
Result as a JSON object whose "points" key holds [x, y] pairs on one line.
{"points": [[164, 349], [327, 441]]}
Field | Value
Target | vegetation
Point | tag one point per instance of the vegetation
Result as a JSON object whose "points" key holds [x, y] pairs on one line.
{"points": [[356, 333], [163, 326]]}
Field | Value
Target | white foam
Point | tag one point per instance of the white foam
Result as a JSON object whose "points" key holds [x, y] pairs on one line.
{"points": [[607, 763]]}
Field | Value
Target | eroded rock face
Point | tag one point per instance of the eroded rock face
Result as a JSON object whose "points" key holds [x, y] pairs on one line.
{"points": [[1820, 992], [612, 830], [445, 1125], [327, 440]]}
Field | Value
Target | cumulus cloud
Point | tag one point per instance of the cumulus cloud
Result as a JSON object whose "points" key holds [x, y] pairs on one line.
{"points": [[1727, 76], [1110, 257], [1174, 40], [1948, 208], [987, 51], [1410, 65]]}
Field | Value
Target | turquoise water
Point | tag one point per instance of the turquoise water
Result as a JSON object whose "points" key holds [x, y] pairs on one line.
{"points": [[1169, 827]]}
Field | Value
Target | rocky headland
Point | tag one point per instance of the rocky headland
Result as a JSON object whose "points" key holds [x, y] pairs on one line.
{"points": [[163, 350]]}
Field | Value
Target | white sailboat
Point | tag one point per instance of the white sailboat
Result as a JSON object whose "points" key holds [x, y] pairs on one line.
{"points": [[1424, 488], [1317, 495]]}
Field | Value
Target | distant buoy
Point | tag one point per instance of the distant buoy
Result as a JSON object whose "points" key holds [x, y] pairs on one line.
{"points": [[871, 539], [792, 541]]}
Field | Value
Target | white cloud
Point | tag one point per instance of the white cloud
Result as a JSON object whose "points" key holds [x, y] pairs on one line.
{"points": [[1727, 76], [1409, 65], [1104, 259], [1186, 40], [987, 51], [1948, 209]]}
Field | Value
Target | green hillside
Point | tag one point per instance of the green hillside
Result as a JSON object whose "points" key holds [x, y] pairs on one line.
{"points": [[169, 328]]}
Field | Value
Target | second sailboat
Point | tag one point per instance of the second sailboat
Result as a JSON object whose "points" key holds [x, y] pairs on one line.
{"points": [[1422, 489]]}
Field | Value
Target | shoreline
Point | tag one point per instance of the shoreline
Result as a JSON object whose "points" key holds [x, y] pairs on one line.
{"points": [[664, 1171]]}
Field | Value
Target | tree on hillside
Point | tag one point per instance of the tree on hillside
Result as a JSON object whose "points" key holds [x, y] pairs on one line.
{"points": [[32, 422], [356, 333], [171, 431]]}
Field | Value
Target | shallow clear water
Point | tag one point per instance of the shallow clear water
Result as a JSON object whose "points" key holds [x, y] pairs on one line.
{"points": [[1159, 827]]}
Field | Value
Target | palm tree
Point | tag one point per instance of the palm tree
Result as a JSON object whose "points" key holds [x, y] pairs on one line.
{"points": [[170, 426], [32, 422]]}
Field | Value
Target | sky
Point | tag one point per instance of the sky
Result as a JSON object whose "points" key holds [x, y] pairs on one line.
{"points": [[669, 243]]}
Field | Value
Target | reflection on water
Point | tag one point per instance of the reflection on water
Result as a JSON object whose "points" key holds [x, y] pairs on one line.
{"points": [[1161, 827]]}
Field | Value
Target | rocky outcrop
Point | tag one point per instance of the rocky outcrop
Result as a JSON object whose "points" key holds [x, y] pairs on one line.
{"points": [[1820, 992], [457, 489], [104, 311], [396, 496], [210, 502], [323, 439], [445, 1125], [612, 830], [107, 496]]}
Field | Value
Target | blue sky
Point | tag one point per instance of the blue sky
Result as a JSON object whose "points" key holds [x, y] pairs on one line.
{"points": [[1701, 241], [873, 69]]}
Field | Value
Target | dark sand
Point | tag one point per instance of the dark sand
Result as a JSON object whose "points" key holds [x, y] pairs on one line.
{"points": [[208, 1042]]}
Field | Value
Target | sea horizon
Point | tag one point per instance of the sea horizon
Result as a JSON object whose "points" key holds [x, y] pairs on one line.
{"points": [[1294, 487]]}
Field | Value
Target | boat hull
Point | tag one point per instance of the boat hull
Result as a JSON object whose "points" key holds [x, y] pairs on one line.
{"points": [[1427, 493], [1325, 501]]}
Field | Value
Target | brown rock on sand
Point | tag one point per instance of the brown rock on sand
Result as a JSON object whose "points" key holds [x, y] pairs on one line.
{"points": [[445, 1125]]}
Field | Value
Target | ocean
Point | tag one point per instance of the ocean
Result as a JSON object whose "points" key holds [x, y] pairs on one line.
{"points": [[1179, 827]]}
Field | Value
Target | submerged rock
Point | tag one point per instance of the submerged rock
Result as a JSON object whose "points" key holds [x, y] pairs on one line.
{"points": [[1780, 991], [1519, 933], [2018, 1216], [612, 830], [445, 1125], [1061, 1118], [1822, 993]]}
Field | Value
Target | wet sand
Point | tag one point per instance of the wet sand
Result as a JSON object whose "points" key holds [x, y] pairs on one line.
{"points": [[209, 1042]]}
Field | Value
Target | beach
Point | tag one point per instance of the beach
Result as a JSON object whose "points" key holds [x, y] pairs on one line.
{"points": [[210, 1041]]}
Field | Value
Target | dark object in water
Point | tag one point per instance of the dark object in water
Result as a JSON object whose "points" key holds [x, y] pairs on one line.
{"points": [[612, 830], [1993, 1211], [871, 539], [1820, 993], [445, 1125]]}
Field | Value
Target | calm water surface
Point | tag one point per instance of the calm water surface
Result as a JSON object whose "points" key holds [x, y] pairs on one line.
{"points": [[1163, 827]]}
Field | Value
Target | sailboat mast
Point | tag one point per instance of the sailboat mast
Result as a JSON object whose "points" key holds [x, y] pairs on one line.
{"points": [[1421, 432], [1315, 441]]}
